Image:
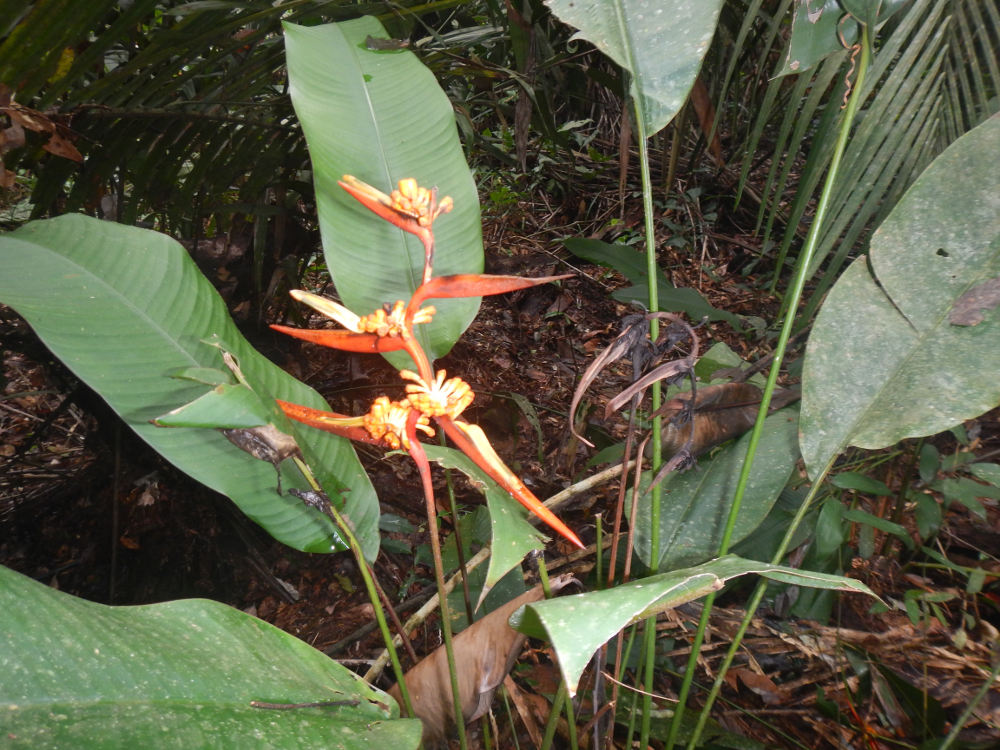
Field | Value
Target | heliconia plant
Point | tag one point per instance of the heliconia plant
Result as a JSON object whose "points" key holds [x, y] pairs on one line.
{"points": [[431, 395]]}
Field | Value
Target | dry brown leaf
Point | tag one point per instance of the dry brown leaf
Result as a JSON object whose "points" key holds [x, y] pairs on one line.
{"points": [[63, 147], [29, 118], [521, 705], [701, 100], [7, 178], [11, 138], [266, 443], [484, 654], [721, 412], [762, 685]]}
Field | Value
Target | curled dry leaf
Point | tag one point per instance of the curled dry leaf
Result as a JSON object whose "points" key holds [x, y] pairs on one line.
{"points": [[634, 342], [484, 654], [31, 119], [668, 373]]}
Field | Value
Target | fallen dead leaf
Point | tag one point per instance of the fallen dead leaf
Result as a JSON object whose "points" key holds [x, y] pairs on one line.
{"points": [[484, 654]]}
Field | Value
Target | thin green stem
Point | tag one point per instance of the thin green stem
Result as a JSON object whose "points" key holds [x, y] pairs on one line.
{"points": [[976, 700], [543, 578], [459, 546], [599, 552], [754, 602], [649, 634], [571, 723], [553, 722], [366, 576], [792, 299]]}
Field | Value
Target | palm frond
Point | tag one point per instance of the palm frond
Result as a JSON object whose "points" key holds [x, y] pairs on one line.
{"points": [[935, 76], [180, 109]]}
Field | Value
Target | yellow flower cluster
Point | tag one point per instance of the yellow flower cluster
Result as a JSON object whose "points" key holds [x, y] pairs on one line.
{"points": [[386, 421], [439, 398], [392, 322], [419, 202]]}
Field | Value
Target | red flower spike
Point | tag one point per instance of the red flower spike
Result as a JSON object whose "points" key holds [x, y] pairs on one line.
{"points": [[347, 341], [416, 451], [472, 441], [339, 424], [474, 285]]}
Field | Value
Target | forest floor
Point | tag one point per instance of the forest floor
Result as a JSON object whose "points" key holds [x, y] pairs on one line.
{"points": [[87, 508]]}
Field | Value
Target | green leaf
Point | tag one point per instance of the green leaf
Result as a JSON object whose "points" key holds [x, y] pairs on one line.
{"points": [[225, 406], [381, 117], [884, 361], [927, 514], [872, 521], [852, 480], [696, 503], [577, 625], [987, 472], [125, 308], [930, 462], [816, 34], [660, 42], [206, 375], [968, 492], [873, 12], [512, 536], [175, 675], [631, 264]]}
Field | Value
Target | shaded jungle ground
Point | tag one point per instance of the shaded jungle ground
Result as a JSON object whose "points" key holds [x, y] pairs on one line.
{"points": [[87, 508]]}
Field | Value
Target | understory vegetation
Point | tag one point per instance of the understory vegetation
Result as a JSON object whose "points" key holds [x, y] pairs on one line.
{"points": [[602, 375]]}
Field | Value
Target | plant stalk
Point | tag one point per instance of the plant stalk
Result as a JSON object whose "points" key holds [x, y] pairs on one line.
{"points": [[649, 632], [366, 576], [792, 298], [420, 459]]}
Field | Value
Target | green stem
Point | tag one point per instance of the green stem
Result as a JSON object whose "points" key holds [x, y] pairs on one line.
{"points": [[459, 546], [366, 576], [752, 605], [793, 297], [553, 722], [543, 576], [976, 699], [649, 633]]}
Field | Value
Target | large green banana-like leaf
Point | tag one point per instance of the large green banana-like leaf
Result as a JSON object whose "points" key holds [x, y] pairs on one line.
{"points": [[660, 42], [381, 116], [175, 675], [911, 345], [819, 30], [577, 625], [126, 308]]}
